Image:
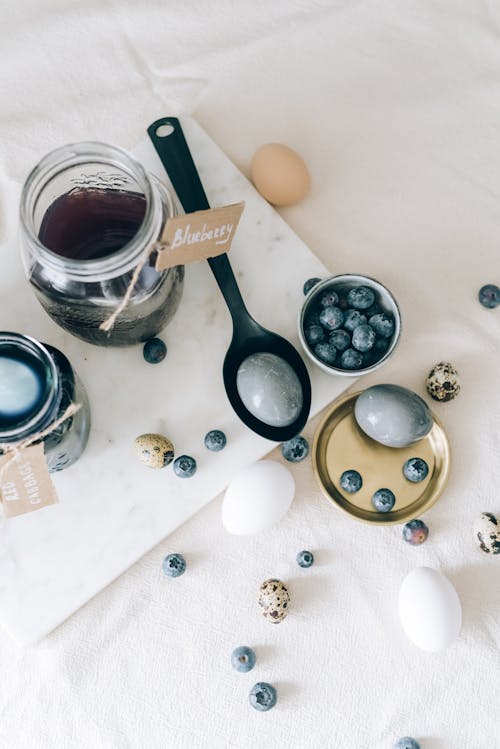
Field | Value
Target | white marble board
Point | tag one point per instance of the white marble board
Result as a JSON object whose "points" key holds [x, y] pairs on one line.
{"points": [[112, 509]]}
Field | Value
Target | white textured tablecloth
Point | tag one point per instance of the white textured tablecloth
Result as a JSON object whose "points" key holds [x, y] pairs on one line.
{"points": [[396, 109]]}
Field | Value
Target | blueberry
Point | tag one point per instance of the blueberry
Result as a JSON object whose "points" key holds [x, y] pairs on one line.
{"points": [[489, 296], [415, 532], [326, 352], [328, 299], [309, 284], [174, 565], [314, 334], [215, 440], [380, 347], [331, 317], [184, 466], [351, 359], [375, 309], [351, 481], [305, 559], [243, 659], [154, 351], [340, 339], [383, 500], [352, 319], [361, 297], [295, 450], [382, 324], [368, 358], [406, 743], [262, 696], [363, 338], [312, 318], [415, 470], [343, 303]]}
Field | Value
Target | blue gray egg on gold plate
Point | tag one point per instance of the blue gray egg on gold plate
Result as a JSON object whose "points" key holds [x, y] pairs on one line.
{"points": [[393, 415]]}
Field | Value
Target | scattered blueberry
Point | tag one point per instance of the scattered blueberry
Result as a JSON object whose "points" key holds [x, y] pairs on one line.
{"points": [[352, 319], [406, 743], [489, 296], [184, 466], [331, 317], [314, 334], [295, 450], [415, 470], [361, 297], [351, 481], [174, 565], [351, 359], [329, 299], [383, 500], [309, 284], [305, 559], [262, 696], [154, 351], [382, 324], [326, 352], [243, 659], [340, 339], [215, 440], [415, 532], [363, 338]]}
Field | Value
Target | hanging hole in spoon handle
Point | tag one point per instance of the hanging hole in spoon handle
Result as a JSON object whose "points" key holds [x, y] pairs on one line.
{"points": [[171, 146]]}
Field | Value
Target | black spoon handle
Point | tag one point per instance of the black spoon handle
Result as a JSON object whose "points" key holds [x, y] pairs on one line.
{"points": [[175, 156]]}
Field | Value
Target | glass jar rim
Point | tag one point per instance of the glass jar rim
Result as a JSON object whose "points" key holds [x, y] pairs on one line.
{"points": [[74, 154], [44, 414]]}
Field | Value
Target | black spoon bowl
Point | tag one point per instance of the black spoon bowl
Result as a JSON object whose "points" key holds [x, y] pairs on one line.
{"points": [[249, 337]]}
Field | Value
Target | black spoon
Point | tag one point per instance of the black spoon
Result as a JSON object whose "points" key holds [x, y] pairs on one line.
{"points": [[273, 358]]}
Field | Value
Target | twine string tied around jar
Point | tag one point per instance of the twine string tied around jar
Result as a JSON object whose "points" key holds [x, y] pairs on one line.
{"points": [[16, 448]]}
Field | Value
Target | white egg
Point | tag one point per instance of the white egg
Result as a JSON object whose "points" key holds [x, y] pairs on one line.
{"points": [[257, 497], [429, 609]]}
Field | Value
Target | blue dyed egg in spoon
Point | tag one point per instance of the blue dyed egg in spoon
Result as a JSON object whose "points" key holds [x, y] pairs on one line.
{"points": [[266, 380]]}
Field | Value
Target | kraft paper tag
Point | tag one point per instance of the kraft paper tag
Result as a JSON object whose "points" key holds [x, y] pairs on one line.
{"points": [[198, 235], [25, 483]]}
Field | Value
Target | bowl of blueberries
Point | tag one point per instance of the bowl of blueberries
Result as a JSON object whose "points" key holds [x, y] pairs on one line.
{"points": [[349, 324]]}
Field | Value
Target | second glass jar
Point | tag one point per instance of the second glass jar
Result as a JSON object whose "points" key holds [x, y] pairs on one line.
{"points": [[89, 213]]}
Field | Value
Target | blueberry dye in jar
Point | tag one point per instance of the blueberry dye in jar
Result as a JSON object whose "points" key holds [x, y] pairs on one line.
{"points": [[37, 385], [88, 224], [89, 214]]}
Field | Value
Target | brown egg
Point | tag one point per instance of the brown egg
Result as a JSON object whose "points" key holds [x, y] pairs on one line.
{"points": [[279, 174]]}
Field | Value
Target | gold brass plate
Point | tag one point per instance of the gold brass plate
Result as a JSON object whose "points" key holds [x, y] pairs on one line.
{"points": [[339, 445]]}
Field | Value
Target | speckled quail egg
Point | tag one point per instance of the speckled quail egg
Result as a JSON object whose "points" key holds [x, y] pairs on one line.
{"points": [[274, 600], [443, 382], [486, 530], [154, 450]]}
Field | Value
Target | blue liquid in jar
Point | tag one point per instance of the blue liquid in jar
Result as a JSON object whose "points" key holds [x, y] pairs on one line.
{"points": [[22, 389]]}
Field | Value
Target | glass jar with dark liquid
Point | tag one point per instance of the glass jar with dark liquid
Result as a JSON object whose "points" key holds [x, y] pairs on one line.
{"points": [[37, 384], [89, 214]]}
